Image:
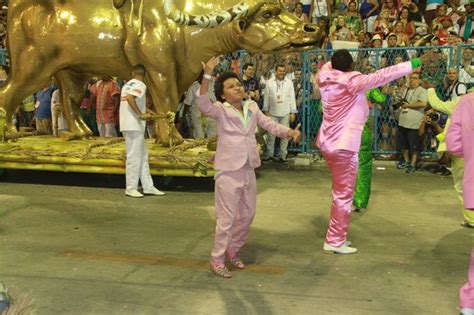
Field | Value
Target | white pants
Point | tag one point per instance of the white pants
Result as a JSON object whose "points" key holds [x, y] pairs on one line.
{"points": [[107, 130], [198, 121], [136, 165], [285, 121]]}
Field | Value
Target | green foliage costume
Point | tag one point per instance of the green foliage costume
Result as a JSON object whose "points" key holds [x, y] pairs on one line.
{"points": [[364, 175]]}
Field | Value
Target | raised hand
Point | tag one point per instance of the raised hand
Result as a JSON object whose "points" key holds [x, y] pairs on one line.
{"points": [[210, 65]]}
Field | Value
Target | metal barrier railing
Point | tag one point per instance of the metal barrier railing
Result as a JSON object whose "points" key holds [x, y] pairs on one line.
{"points": [[302, 64]]}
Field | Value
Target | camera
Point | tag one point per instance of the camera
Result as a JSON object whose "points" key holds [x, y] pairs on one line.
{"points": [[434, 116], [399, 104]]}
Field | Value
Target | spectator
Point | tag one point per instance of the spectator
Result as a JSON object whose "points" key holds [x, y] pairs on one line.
{"points": [[59, 122], [340, 31], [402, 37], [280, 104], [29, 110], [353, 18], [467, 24], [382, 24], [456, 12], [251, 85], [88, 109], [106, 97], [392, 10], [409, 122], [404, 18], [388, 57], [369, 10], [431, 11], [203, 127], [442, 31], [453, 88], [466, 72], [43, 110], [321, 10], [299, 13], [441, 12]]}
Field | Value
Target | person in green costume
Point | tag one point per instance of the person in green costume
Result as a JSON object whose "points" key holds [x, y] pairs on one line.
{"points": [[364, 174]]}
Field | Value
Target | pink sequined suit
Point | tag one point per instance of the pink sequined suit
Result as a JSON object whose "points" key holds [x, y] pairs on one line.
{"points": [[345, 112]]}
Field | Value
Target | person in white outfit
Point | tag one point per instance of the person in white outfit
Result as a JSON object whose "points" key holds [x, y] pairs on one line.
{"points": [[279, 103], [59, 122], [133, 113]]}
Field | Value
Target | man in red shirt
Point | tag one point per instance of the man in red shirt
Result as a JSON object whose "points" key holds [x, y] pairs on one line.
{"points": [[106, 96]]}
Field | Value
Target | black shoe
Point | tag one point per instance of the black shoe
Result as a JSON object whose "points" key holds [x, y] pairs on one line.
{"points": [[402, 165], [410, 169], [282, 160], [266, 160]]}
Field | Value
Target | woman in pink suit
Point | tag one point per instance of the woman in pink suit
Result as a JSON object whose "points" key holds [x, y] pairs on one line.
{"points": [[459, 141], [345, 112], [236, 158]]}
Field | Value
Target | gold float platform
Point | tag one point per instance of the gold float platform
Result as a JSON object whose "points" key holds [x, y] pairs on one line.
{"points": [[103, 156]]}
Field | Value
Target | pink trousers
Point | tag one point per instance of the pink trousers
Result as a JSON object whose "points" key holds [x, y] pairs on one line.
{"points": [[466, 294], [343, 165], [235, 201]]}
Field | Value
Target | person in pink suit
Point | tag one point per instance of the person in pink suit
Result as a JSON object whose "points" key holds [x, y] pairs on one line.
{"points": [[466, 293], [345, 112], [459, 141], [235, 160]]}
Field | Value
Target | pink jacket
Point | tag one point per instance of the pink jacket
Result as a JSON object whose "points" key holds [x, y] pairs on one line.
{"points": [[236, 144], [460, 142], [345, 108]]}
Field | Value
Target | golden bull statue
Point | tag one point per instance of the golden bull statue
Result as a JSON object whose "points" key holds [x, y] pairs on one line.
{"points": [[72, 40]]}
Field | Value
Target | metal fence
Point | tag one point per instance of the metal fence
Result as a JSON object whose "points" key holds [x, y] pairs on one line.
{"points": [[301, 67], [385, 117]]}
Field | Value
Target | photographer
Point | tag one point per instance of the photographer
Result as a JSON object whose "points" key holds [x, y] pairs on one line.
{"points": [[432, 121], [411, 115]]}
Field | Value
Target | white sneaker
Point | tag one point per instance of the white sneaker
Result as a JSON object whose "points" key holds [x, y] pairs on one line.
{"points": [[344, 249], [133, 194], [153, 191], [467, 311]]}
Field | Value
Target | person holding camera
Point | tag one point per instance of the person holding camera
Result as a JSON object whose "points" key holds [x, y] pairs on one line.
{"points": [[411, 116], [457, 163], [431, 123]]}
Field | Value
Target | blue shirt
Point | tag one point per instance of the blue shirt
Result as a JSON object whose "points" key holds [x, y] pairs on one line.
{"points": [[44, 98]]}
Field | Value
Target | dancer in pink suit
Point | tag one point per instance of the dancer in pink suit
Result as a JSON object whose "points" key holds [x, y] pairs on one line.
{"points": [[459, 141], [345, 112], [236, 158]]}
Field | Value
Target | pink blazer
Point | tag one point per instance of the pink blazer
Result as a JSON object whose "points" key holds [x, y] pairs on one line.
{"points": [[345, 108], [236, 144], [460, 142]]}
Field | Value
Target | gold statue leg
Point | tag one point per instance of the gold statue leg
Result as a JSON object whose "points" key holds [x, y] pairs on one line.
{"points": [[72, 85]]}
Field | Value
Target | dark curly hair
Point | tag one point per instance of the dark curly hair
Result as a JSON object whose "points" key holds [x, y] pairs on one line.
{"points": [[342, 60], [219, 84]]}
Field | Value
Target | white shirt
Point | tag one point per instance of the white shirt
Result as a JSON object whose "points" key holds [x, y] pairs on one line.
{"points": [[129, 121], [320, 8], [279, 97]]}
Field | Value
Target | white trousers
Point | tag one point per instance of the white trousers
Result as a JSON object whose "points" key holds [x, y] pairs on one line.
{"points": [[285, 121], [136, 165], [204, 127], [107, 130]]}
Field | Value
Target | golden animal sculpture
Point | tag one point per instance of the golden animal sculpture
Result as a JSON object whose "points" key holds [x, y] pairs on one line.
{"points": [[73, 40]]}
